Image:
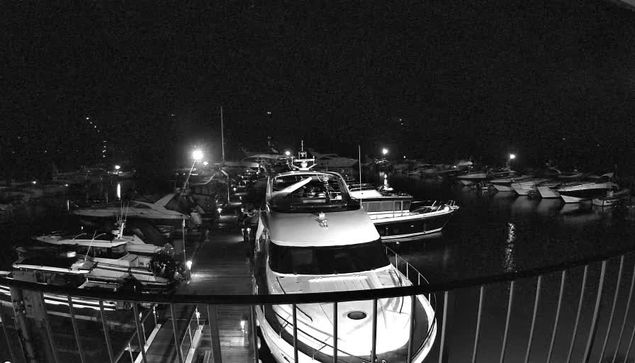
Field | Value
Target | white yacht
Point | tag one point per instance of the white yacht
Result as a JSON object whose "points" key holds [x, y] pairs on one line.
{"points": [[314, 237], [397, 217], [586, 190], [332, 161], [170, 207]]}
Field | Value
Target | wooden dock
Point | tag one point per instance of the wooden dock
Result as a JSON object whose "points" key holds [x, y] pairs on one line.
{"points": [[220, 265]]}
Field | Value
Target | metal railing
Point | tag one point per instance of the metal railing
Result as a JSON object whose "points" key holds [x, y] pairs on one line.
{"points": [[573, 312]]}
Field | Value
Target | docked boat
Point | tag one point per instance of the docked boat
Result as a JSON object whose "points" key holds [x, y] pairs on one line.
{"points": [[527, 186], [61, 270], [581, 191], [152, 270], [549, 189], [504, 184], [171, 207], [612, 198], [397, 218], [314, 237], [472, 178]]}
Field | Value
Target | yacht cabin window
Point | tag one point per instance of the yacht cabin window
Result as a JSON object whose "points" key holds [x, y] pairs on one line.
{"points": [[327, 260]]}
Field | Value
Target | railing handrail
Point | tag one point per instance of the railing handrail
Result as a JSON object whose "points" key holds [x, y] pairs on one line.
{"points": [[305, 298]]}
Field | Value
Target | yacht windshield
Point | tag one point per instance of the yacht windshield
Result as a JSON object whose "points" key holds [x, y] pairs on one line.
{"points": [[327, 260], [310, 193]]}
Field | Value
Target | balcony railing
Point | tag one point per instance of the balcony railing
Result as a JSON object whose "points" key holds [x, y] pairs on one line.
{"points": [[573, 312]]}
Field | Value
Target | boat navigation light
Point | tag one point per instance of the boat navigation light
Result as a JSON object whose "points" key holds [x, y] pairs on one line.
{"points": [[287, 153], [188, 264], [205, 163], [384, 151], [117, 167]]}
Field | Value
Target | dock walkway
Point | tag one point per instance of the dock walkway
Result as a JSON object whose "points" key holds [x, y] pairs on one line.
{"points": [[220, 265]]}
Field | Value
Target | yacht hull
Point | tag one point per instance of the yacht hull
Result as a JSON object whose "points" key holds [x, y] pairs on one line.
{"points": [[411, 226], [548, 193]]}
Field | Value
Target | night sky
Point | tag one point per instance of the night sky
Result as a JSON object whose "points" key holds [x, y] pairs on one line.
{"points": [[437, 80]]}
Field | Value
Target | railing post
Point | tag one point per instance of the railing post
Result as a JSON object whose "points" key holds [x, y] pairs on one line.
{"points": [[373, 352], [335, 318], [596, 314], [254, 331], [533, 319], [140, 337], [295, 333], [177, 345], [555, 323], [617, 291], [75, 330], [212, 317], [507, 319], [443, 325], [628, 307], [104, 324], [478, 322], [577, 318]]}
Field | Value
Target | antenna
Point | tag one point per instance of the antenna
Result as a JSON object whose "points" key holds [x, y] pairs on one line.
{"points": [[222, 135]]}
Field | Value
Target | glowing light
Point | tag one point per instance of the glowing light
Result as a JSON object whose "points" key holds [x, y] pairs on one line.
{"points": [[197, 155], [205, 163], [268, 112], [119, 191], [117, 167], [243, 323], [512, 156], [34, 182], [189, 264], [384, 151], [287, 153], [87, 118]]}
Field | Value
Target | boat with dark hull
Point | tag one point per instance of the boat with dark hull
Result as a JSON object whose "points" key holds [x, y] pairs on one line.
{"points": [[314, 237], [399, 219]]}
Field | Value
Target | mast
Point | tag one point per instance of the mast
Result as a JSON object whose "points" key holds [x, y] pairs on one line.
{"points": [[222, 136]]}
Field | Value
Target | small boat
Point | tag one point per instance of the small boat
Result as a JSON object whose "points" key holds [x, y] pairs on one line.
{"points": [[548, 189], [313, 237], [525, 186], [397, 217], [612, 198], [504, 184], [61, 270]]}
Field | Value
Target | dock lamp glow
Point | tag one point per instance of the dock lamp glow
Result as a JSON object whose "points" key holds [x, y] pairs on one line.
{"points": [[384, 151], [287, 153], [197, 155], [512, 156]]}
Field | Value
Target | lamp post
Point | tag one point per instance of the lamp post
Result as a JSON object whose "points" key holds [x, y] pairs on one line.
{"points": [[197, 155], [509, 160], [384, 152]]}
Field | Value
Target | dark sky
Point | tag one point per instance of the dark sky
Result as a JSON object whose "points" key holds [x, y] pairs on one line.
{"points": [[479, 78]]}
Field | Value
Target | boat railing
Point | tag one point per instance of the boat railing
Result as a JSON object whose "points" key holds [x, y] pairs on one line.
{"points": [[535, 313]]}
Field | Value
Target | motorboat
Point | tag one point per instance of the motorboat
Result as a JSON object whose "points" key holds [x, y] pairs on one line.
{"points": [[314, 237], [504, 184], [612, 198], [397, 218], [472, 178], [171, 207], [66, 269], [332, 161], [585, 190], [548, 189], [149, 267], [527, 186]]}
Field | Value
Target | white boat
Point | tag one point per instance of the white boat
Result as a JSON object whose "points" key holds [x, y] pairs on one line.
{"points": [[504, 184], [115, 263], [524, 187], [60, 270], [612, 198], [397, 218], [548, 189], [332, 161], [581, 191], [314, 237], [173, 206], [472, 178]]}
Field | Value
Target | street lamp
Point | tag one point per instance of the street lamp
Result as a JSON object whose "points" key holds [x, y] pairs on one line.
{"points": [[509, 160], [197, 155], [287, 153], [384, 151]]}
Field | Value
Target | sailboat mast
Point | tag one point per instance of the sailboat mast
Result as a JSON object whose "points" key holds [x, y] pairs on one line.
{"points": [[222, 135]]}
